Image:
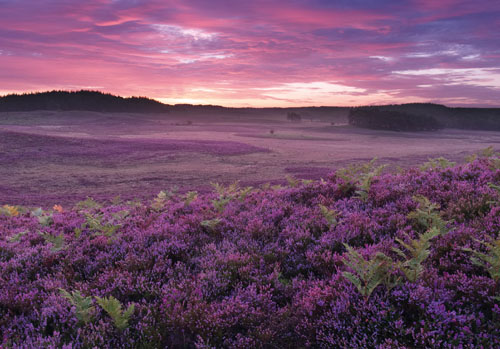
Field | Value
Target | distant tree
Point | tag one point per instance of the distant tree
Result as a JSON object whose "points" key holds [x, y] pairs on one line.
{"points": [[428, 113], [293, 116], [80, 100], [375, 118]]}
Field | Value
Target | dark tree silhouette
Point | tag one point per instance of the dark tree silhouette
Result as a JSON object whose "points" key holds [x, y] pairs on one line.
{"points": [[80, 100], [424, 116], [293, 116], [375, 118]]}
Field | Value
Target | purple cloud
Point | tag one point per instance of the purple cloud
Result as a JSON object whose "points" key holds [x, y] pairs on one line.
{"points": [[256, 53]]}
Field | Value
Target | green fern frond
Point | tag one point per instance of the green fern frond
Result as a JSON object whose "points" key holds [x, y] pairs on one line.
{"points": [[487, 152], [360, 176], [160, 199], [243, 193], [233, 188], [43, 218], [427, 214], [95, 223], [497, 189], [494, 186], [17, 237], [78, 232], [190, 197], [116, 200], [368, 273], [471, 158], [56, 241], [88, 203], [417, 252], [489, 260], [113, 307], [437, 163], [330, 215], [495, 163], [210, 224], [220, 204], [83, 305], [292, 182], [219, 188]]}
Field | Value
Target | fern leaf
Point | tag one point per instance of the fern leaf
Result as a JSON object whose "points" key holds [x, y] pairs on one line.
{"points": [[244, 193], [490, 260], [368, 273], [292, 182], [83, 305], [190, 197], [210, 224], [56, 241], [113, 307], [418, 250], [329, 215]]}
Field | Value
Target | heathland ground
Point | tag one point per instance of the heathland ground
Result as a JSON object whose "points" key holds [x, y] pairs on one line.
{"points": [[49, 157]]}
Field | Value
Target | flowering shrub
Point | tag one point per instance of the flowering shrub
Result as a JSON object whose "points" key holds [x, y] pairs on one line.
{"points": [[395, 260]]}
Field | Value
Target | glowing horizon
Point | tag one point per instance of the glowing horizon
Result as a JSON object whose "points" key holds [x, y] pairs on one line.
{"points": [[256, 54]]}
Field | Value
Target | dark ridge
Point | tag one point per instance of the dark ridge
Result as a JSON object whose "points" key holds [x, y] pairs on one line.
{"points": [[424, 117], [80, 100], [402, 117], [377, 119]]}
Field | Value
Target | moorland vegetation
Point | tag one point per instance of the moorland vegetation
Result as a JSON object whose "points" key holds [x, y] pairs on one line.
{"points": [[361, 259]]}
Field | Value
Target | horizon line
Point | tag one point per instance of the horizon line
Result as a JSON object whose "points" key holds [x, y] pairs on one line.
{"points": [[158, 99]]}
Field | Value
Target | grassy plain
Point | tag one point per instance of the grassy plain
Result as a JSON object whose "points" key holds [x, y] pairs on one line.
{"points": [[49, 158]]}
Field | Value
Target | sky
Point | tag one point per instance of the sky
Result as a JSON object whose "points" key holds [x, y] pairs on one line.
{"points": [[256, 53]]}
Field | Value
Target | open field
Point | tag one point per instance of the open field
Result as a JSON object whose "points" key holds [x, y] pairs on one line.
{"points": [[62, 157]]}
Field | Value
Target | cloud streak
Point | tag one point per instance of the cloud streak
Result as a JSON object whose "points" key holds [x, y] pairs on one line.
{"points": [[257, 53]]}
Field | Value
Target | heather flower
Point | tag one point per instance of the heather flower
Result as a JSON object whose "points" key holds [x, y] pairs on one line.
{"points": [[262, 267]]}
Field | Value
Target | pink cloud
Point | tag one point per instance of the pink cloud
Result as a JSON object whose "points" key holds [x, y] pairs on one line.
{"points": [[231, 53]]}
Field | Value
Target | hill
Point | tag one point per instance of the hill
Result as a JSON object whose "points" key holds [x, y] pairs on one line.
{"points": [[80, 100], [424, 117], [377, 119], [403, 117]]}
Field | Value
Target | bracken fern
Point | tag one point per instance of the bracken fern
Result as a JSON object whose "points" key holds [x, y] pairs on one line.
{"points": [[368, 273], [210, 224], [360, 176], [330, 215], [490, 260], [417, 252], [95, 223], [190, 197], [437, 163], [83, 305], [56, 241], [113, 307], [427, 214]]}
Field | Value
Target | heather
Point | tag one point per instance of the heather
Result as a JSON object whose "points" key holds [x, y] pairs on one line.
{"points": [[362, 258]]}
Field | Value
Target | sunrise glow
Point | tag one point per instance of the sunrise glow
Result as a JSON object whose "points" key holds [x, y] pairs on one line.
{"points": [[256, 53]]}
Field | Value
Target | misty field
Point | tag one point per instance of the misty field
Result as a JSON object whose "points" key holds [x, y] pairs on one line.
{"points": [[49, 158], [245, 232]]}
